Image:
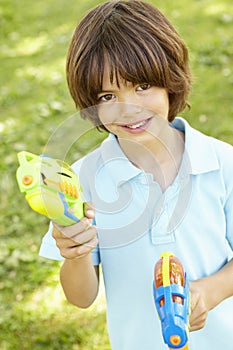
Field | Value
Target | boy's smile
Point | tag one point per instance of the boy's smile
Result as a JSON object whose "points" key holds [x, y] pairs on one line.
{"points": [[137, 126]]}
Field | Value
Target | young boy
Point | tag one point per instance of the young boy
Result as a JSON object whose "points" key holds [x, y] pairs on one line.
{"points": [[154, 185]]}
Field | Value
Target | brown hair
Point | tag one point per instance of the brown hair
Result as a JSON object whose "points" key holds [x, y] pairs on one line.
{"points": [[138, 43]]}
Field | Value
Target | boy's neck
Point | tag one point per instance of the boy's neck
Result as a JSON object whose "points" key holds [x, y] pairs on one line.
{"points": [[160, 157]]}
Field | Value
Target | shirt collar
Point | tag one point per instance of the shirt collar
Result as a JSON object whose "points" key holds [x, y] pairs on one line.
{"points": [[199, 156], [199, 149]]}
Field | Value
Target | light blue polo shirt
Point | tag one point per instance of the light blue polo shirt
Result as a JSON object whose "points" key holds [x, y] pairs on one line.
{"points": [[136, 222]]}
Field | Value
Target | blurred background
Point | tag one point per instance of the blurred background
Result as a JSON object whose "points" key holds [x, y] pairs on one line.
{"points": [[34, 102]]}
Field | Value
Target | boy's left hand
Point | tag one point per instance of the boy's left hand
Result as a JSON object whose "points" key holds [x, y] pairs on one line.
{"points": [[208, 292], [199, 305]]}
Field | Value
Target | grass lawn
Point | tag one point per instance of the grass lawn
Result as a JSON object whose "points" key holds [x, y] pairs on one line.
{"points": [[34, 108]]}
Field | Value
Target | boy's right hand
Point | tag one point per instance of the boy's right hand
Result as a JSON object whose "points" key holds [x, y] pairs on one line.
{"points": [[77, 240]]}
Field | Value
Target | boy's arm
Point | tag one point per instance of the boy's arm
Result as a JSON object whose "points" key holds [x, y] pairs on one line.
{"points": [[208, 292], [79, 278]]}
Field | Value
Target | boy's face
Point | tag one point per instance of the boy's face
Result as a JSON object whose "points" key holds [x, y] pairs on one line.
{"points": [[128, 110]]}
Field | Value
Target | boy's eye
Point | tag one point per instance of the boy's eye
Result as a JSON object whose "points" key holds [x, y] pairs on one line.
{"points": [[106, 98], [144, 86]]}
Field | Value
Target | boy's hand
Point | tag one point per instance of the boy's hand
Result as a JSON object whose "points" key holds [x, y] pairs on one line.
{"points": [[208, 292], [77, 240], [199, 305]]}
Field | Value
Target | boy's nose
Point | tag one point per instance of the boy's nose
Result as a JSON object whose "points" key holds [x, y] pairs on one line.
{"points": [[128, 110]]}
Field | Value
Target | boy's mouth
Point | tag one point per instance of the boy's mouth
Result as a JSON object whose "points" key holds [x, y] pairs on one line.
{"points": [[137, 126]]}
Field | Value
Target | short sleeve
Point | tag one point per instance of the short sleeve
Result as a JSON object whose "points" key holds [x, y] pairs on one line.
{"points": [[229, 219], [95, 254], [227, 171]]}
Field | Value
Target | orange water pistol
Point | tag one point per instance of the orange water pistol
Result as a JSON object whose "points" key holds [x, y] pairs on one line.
{"points": [[171, 296]]}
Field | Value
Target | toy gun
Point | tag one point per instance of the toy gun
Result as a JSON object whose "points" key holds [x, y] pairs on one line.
{"points": [[171, 296], [51, 187]]}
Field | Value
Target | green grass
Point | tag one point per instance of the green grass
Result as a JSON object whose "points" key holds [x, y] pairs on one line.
{"points": [[35, 104]]}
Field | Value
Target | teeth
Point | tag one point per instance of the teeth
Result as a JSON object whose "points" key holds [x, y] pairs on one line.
{"points": [[135, 126]]}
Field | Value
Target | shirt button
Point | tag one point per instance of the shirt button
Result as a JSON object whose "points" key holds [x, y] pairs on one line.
{"points": [[144, 180]]}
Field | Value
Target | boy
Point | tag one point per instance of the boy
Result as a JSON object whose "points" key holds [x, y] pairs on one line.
{"points": [[147, 187]]}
